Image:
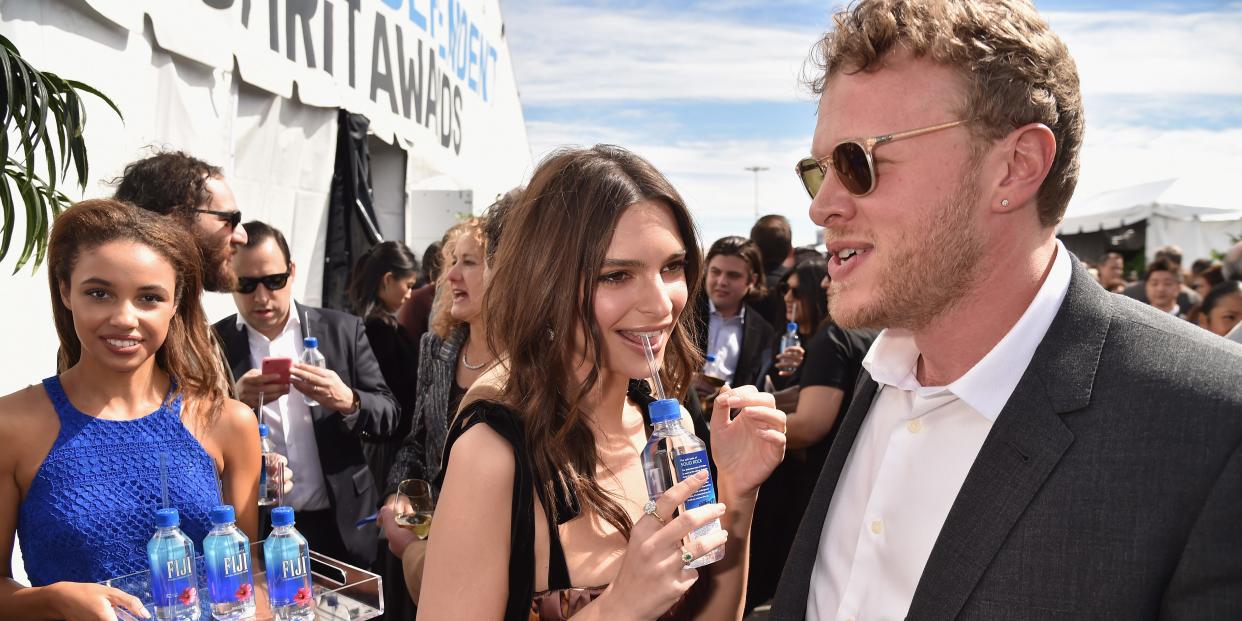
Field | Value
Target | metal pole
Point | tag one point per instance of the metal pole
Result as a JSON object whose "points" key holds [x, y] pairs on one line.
{"points": [[756, 170]]}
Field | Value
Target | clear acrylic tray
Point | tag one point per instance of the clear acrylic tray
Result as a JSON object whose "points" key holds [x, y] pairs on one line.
{"points": [[342, 592]]}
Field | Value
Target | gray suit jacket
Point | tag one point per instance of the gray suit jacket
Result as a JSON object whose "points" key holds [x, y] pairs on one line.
{"points": [[1110, 486]]}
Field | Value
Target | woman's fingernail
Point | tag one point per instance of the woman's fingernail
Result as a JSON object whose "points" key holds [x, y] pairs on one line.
{"points": [[701, 475]]}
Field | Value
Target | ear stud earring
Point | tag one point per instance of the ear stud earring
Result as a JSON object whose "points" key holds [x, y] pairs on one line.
{"points": [[1004, 202]]}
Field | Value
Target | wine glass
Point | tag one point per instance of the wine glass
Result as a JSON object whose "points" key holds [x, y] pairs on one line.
{"points": [[418, 505]]}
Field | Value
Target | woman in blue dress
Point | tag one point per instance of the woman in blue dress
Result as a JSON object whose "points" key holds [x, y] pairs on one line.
{"points": [[140, 393]]}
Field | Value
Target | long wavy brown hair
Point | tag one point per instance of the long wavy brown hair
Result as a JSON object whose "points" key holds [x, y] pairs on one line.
{"points": [[542, 291], [188, 354]]}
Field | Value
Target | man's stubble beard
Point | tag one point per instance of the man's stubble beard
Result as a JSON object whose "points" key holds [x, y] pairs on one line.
{"points": [[926, 276]]}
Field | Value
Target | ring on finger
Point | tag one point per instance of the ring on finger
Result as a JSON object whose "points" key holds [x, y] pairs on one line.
{"points": [[686, 556], [650, 509]]}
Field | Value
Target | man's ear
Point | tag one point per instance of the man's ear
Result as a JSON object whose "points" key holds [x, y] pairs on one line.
{"points": [[1027, 155]]}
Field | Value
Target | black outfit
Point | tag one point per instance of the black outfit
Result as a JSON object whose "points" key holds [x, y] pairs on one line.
{"points": [[1110, 485], [833, 358], [397, 355], [756, 349], [351, 488], [772, 305], [509, 425]]}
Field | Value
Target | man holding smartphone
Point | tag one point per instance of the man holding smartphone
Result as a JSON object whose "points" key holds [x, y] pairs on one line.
{"points": [[333, 486]]}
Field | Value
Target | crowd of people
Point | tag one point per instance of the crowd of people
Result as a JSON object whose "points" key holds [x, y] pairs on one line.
{"points": [[944, 415]]}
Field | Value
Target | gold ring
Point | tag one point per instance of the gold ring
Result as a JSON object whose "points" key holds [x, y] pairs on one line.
{"points": [[650, 509], [686, 556]]}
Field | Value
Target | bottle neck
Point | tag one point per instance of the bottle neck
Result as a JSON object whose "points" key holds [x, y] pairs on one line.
{"points": [[668, 425]]}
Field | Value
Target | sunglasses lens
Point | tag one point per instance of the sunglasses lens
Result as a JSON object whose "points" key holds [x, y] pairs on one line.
{"points": [[849, 160], [812, 177], [247, 285], [234, 219], [276, 282]]}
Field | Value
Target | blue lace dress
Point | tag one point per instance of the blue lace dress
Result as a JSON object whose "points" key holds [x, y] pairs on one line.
{"points": [[91, 506]]}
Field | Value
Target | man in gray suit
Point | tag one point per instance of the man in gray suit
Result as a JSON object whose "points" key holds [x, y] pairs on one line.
{"points": [[1022, 444]]}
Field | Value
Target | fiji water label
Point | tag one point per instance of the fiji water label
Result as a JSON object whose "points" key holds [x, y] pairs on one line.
{"points": [[228, 575], [687, 465], [173, 582], [288, 580]]}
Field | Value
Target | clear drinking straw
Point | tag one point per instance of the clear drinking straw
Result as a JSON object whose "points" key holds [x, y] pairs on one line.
{"points": [[164, 479], [654, 366]]}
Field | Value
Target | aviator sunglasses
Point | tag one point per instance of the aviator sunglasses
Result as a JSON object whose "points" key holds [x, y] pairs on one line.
{"points": [[853, 161], [273, 282]]}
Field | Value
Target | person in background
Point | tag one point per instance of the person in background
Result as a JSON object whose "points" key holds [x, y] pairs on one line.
{"points": [[1202, 282], [333, 486], [1221, 311], [553, 450], [774, 237], [1171, 254], [380, 285], [195, 194], [1022, 445], [1162, 282], [136, 402], [806, 303], [415, 314], [1112, 272], [729, 327]]}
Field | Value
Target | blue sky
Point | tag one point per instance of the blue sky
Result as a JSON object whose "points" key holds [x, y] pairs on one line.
{"points": [[707, 88]]}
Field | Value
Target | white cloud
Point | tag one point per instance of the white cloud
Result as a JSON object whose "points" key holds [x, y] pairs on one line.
{"points": [[1161, 53], [567, 53]]}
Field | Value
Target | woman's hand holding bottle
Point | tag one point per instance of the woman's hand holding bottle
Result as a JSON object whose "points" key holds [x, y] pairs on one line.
{"points": [[653, 574]]}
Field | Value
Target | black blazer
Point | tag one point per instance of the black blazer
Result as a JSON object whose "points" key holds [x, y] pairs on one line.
{"points": [[351, 488], [757, 346], [1110, 486]]}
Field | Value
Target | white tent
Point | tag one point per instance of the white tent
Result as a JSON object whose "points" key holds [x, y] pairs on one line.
{"points": [[1196, 216]]}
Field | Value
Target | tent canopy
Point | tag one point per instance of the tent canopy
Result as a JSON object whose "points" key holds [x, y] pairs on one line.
{"points": [[1178, 198]]}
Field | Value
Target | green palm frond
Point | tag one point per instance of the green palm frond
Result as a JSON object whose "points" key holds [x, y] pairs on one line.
{"points": [[32, 104]]}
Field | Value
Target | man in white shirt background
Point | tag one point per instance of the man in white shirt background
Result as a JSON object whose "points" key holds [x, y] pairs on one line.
{"points": [[731, 329], [1022, 444], [332, 486]]}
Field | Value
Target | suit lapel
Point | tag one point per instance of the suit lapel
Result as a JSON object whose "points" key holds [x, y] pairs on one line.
{"points": [[795, 584], [236, 344], [1025, 444]]}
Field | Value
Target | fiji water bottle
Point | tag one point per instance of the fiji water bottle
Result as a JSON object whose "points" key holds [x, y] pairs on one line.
{"points": [[672, 455], [790, 339], [288, 569], [312, 357], [268, 487], [226, 552], [173, 583]]}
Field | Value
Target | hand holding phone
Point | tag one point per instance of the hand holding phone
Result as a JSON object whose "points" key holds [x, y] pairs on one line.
{"points": [[279, 367]]}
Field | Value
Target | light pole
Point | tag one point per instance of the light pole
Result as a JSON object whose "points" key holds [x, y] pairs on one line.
{"points": [[756, 170]]}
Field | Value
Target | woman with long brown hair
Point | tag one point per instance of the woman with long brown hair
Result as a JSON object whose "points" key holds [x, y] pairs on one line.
{"points": [[137, 408], [541, 513]]}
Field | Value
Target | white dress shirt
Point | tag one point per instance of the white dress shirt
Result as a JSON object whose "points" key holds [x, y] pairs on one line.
{"points": [[909, 461], [724, 338], [289, 418]]}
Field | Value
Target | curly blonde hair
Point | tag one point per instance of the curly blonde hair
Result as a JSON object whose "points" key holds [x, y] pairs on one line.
{"points": [[1016, 69], [442, 321]]}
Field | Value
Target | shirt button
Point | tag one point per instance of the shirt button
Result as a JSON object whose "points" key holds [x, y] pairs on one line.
{"points": [[877, 527], [914, 426]]}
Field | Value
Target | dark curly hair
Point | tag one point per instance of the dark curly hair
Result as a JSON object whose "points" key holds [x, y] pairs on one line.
{"points": [[170, 183]]}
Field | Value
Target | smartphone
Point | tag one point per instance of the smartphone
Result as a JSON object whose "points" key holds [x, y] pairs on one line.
{"points": [[277, 366]]}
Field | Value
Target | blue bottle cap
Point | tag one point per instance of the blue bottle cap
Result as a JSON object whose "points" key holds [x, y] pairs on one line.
{"points": [[264, 431], [663, 410], [791, 326], [711, 357], [167, 518], [282, 516], [223, 514], [310, 341]]}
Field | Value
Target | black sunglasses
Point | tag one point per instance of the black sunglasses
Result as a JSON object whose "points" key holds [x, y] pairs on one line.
{"points": [[273, 282], [233, 218], [853, 161]]}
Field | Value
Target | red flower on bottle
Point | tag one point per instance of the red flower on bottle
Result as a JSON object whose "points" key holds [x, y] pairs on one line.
{"points": [[243, 592], [302, 596], [188, 596]]}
